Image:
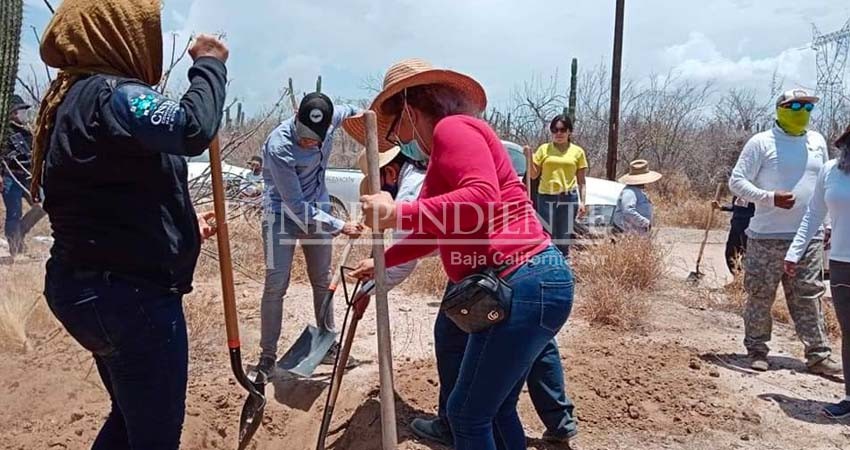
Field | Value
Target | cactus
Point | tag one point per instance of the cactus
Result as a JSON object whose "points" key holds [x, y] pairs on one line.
{"points": [[11, 19], [573, 88], [240, 116], [319, 84], [227, 122]]}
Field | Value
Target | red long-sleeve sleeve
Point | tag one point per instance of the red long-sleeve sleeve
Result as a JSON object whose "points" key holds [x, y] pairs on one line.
{"points": [[473, 207]]}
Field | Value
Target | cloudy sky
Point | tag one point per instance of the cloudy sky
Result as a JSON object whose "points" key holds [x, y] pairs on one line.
{"points": [[500, 42]]}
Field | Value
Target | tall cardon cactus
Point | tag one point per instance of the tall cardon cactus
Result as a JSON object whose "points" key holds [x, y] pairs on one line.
{"points": [[11, 18]]}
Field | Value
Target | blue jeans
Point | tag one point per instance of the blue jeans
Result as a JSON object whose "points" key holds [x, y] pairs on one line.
{"points": [[481, 374], [13, 196], [137, 336], [559, 214], [279, 238]]}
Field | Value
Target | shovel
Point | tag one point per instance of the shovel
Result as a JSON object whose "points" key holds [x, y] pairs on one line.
{"points": [[697, 275], [341, 360], [311, 347], [252, 412]]}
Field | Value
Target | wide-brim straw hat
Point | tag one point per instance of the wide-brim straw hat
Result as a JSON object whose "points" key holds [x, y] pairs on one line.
{"points": [[639, 174], [406, 74], [383, 159]]}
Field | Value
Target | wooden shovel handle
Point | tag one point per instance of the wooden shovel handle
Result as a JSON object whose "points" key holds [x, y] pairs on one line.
{"points": [[708, 224], [224, 259]]}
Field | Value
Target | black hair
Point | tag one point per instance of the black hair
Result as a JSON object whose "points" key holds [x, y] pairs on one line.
{"points": [[257, 158], [560, 118]]}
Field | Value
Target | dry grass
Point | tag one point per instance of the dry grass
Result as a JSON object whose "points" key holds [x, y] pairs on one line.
{"points": [[733, 298], [428, 278], [677, 205], [615, 278], [23, 310]]}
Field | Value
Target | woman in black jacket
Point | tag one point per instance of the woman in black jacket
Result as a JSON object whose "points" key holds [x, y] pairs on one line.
{"points": [[110, 154]]}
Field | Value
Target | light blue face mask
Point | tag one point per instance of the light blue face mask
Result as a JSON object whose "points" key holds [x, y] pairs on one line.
{"points": [[413, 151]]}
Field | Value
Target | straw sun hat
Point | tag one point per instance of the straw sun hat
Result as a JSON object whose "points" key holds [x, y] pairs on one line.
{"points": [[639, 174], [405, 74], [383, 159]]}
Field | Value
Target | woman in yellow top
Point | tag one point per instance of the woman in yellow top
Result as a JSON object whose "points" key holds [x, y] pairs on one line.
{"points": [[561, 167]]}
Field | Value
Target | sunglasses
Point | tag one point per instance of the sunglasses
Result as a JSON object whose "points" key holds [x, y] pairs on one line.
{"points": [[796, 106], [559, 130]]}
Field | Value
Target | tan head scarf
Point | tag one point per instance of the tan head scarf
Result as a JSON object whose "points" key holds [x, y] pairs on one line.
{"points": [[114, 37]]}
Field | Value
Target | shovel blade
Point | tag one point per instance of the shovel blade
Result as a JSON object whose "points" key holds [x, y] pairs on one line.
{"points": [[307, 352], [252, 416], [693, 277]]}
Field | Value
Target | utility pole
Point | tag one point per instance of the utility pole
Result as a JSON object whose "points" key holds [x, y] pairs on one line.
{"points": [[616, 67]]}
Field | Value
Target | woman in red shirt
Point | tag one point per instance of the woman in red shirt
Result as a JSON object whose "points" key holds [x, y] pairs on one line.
{"points": [[474, 211]]}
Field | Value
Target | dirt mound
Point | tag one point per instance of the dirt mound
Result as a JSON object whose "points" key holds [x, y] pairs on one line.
{"points": [[627, 383]]}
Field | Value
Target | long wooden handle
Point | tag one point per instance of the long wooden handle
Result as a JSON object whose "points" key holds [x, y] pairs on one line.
{"points": [[389, 436], [224, 259], [708, 224]]}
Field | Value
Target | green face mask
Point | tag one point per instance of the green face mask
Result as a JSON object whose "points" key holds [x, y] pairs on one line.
{"points": [[793, 122]]}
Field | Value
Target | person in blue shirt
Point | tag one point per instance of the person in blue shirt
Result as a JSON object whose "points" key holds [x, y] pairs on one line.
{"points": [[297, 207], [633, 214]]}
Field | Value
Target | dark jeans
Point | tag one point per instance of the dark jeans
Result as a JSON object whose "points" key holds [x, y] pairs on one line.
{"points": [[138, 339], [13, 196], [839, 278], [558, 213], [481, 374], [736, 244], [545, 382]]}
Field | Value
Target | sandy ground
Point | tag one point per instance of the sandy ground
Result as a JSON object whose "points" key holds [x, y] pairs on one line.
{"points": [[679, 383]]}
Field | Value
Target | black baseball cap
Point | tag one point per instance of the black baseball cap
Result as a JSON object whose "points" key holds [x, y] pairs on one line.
{"points": [[18, 104], [314, 117]]}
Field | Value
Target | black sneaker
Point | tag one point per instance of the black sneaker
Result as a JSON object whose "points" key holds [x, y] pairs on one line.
{"points": [[434, 430], [559, 437], [330, 357], [838, 410]]}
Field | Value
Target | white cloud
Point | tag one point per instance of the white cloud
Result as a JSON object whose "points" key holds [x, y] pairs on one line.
{"points": [[700, 58]]}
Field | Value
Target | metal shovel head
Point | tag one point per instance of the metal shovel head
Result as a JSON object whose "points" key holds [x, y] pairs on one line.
{"points": [[307, 352], [694, 277], [252, 415]]}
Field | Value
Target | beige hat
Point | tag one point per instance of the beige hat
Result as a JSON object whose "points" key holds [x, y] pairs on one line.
{"points": [[406, 74], [796, 95], [639, 174], [383, 159]]}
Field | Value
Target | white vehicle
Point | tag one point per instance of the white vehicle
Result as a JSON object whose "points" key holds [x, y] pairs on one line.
{"points": [[344, 189], [199, 172]]}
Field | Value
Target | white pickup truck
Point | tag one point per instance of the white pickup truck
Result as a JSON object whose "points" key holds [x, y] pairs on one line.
{"points": [[344, 189]]}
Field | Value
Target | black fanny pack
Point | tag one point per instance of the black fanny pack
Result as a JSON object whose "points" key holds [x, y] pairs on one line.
{"points": [[478, 302]]}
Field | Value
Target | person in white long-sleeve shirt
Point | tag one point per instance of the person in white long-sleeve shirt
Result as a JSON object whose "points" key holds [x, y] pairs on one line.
{"points": [[831, 198], [778, 170]]}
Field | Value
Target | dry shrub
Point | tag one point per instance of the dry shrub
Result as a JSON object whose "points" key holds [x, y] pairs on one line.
{"points": [[677, 204], [428, 278], [615, 279], [733, 298], [22, 306]]}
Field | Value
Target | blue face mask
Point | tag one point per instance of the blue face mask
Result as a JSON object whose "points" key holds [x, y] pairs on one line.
{"points": [[413, 151]]}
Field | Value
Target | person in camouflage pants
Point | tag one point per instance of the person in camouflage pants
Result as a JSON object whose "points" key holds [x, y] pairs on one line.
{"points": [[763, 267], [777, 171]]}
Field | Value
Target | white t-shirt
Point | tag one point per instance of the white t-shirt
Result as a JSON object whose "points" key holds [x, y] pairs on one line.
{"points": [[832, 195], [776, 161]]}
